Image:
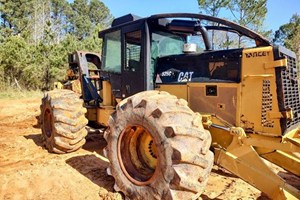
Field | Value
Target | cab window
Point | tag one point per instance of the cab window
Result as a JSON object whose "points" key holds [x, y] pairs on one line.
{"points": [[133, 42], [112, 52]]}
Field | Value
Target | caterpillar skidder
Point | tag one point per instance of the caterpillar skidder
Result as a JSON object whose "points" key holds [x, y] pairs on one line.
{"points": [[177, 93]]}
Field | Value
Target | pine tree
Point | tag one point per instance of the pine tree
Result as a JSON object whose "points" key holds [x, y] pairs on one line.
{"points": [[37, 35], [251, 14], [14, 54], [213, 8], [287, 32], [288, 35], [15, 16], [86, 16]]}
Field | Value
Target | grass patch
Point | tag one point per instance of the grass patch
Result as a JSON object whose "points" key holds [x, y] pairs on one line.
{"points": [[20, 94]]}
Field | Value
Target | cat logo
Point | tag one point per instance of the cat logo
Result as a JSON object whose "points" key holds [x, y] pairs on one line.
{"points": [[185, 76]]}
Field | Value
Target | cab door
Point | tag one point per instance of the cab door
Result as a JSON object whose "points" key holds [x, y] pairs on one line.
{"points": [[133, 62]]}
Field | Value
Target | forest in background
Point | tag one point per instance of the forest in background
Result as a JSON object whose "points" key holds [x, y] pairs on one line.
{"points": [[37, 35]]}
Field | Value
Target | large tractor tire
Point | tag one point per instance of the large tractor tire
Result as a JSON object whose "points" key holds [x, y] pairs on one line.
{"points": [[63, 121], [157, 148]]}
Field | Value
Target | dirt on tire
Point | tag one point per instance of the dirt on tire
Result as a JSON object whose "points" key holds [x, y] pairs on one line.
{"points": [[29, 172], [63, 121], [169, 170]]}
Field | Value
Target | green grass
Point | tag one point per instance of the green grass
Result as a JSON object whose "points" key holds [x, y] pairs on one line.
{"points": [[20, 94]]}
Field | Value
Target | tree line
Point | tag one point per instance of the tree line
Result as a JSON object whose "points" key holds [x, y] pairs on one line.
{"points": [[36, 35]]}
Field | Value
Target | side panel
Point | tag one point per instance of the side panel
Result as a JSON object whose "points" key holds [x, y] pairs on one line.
{"points": [[178, 90], [220, 99], [259, 111]]}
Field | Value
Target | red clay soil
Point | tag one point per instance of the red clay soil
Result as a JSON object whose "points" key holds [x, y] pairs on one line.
{"points": [[28, 171]]}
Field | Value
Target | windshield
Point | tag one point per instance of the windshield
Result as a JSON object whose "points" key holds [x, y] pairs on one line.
{"points": [[165, 44]]}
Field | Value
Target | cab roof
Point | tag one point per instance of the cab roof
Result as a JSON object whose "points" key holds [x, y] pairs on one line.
{"points": [[187, 22]]}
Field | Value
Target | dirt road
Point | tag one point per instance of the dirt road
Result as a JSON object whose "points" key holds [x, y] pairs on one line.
{"points": [[28, 171]]}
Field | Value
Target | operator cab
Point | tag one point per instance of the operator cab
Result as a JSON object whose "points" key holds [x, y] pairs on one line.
{"points": [[142, 53]]}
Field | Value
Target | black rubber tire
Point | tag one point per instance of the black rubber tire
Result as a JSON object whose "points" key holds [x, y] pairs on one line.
{"points": [[63, 121], [184, 159]]}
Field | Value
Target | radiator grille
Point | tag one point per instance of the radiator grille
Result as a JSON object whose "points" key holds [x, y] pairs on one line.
{"points": [[266, 104], [290, 90]]}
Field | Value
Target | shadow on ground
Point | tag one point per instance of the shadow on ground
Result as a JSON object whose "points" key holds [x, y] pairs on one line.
{"points": [[222, 172], [95, 142], [205, 197], [37, 124], [94, 168], [37, 139]]}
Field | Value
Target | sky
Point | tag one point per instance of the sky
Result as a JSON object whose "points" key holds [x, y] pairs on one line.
{"points": [[279, 11]]}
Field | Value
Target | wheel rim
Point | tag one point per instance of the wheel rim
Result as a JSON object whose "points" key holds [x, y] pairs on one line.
{"points": [[137, 155], [48, 122]]}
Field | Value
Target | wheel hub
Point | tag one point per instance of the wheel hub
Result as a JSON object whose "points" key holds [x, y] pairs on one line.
{"points": [[152, 149], [137, 154], [47, 122]]}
